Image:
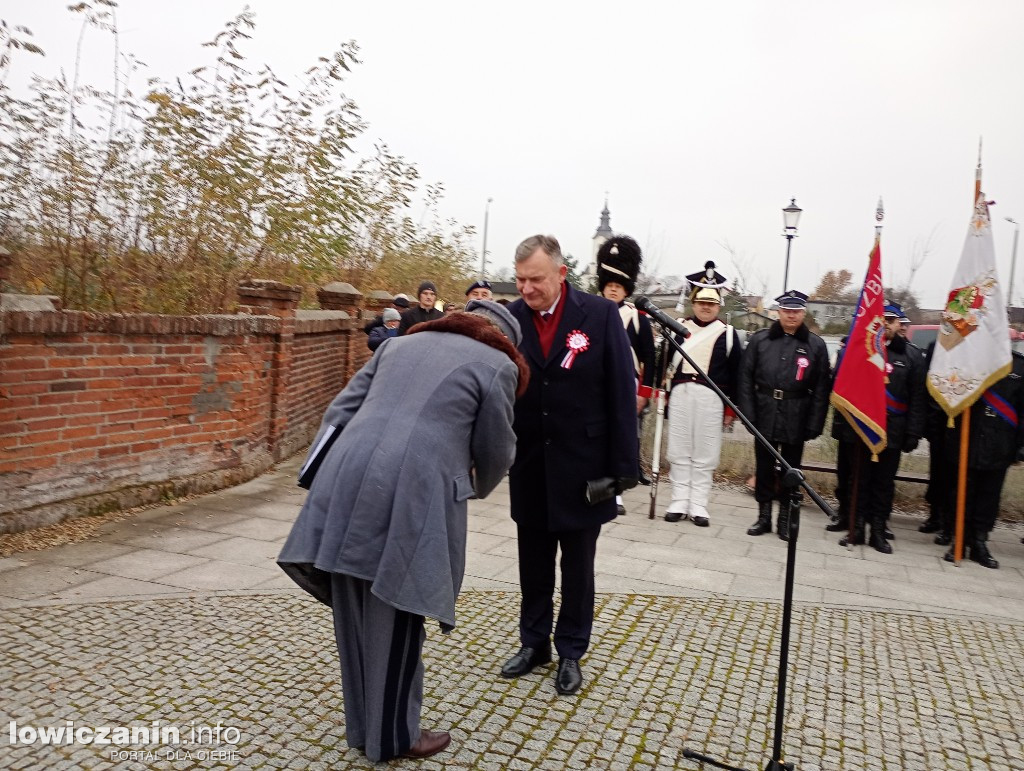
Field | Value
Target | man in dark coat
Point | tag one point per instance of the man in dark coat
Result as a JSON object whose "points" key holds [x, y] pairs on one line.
{"points": [[784, 388], [381, 537], [996, 441], [575, 424], [426, 296], [872, 483], [400, 303]]}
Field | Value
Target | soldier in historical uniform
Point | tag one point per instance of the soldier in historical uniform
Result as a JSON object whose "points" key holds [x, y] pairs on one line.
{"points": [[784, 388], [996, 441], [697, 414], [905, 408], [618, 265]]}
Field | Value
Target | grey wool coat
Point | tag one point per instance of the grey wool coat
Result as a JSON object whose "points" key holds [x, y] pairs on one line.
{"points": [[425, 425]]}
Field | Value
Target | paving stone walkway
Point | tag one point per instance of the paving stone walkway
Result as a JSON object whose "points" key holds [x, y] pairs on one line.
{"points": [[178, 618]]}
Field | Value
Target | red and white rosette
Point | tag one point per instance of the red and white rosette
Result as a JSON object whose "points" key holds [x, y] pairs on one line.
{"points": [[802, 363], [577, 343]]}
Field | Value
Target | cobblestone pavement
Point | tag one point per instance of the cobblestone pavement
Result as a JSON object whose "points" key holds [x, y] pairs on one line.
{"points": [[179, 616], [664, 672]]}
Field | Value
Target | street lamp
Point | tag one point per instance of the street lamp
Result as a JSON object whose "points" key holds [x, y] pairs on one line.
{"points": [[1013, 259], [790, 219], [483, 255]]}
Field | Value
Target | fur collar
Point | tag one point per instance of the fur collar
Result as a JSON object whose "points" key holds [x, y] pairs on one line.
{"points": [[803, 334], [483, 331]]}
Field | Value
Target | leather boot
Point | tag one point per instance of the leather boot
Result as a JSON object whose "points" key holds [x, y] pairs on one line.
{"points": [[944, 538], [978, 552], [764, 520], [856, 536], [877, 538], [782, 526], [841, 523], [931, 525]]}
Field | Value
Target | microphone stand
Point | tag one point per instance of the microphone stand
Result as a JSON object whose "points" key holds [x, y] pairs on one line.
{"points": [[792, 479]]}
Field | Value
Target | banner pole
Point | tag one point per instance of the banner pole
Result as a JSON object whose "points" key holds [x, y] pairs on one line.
{"points": [[961, 485]]}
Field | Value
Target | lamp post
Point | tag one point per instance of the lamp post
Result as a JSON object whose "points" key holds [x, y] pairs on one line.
{"points": [[1013, 260], [790, 219], [483, 255]]}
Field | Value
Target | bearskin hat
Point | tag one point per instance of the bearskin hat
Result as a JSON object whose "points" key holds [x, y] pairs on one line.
{"points": [[618, 261]]}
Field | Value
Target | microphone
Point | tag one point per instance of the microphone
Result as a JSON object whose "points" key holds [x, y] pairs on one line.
{"points": [[644, 303]]}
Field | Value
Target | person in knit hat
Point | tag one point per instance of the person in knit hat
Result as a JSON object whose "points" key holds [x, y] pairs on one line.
{"points": [[424, 311]]}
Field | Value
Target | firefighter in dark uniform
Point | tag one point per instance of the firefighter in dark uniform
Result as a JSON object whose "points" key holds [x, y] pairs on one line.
{"points": [[905, 412], [996, 441], [784, 388]]}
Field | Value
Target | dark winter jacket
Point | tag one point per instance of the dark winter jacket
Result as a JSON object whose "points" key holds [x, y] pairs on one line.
{"points": [[785, 383], [997, 425], [906, 409], [378, 335], [414, 316]]}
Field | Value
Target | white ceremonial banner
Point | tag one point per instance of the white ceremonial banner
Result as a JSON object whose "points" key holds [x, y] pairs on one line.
{"points": [[973, 347]]}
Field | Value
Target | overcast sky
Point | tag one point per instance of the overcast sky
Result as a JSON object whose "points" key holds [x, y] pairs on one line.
{"points": [[700, 119]]}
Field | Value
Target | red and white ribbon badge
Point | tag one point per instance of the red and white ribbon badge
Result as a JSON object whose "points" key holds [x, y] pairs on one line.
{"points": [[578, 343], [802, 363]]}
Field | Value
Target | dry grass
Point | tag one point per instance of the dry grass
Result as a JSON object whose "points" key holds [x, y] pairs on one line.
{"points": [[737, 464]]}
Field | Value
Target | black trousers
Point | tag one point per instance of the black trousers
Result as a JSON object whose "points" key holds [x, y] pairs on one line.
{"points": [[981, 508], [844, 477], [875, 480], [537, 551], [768, 480]]}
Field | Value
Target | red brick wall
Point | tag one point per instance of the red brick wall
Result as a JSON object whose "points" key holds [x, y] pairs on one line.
{"points": [[102, 411]]}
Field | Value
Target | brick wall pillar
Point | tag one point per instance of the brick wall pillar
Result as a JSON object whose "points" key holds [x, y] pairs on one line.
{"points": [[339, 296], [261, 297]]}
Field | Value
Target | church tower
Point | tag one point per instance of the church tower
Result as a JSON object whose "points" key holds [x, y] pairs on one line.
{"points": [[602, 234]]}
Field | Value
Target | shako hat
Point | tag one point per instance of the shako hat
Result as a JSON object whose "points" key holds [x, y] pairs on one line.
{"points": [[706, 285], [618, 261]]}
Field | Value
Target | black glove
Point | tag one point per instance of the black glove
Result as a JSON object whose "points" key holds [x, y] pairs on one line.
{"points": [[910, 443], [625, 483]]}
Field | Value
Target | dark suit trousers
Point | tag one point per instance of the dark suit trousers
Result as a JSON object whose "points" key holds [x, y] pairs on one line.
{"points": [[537, 551], [876, 483], [379, 648], [768, 481], [984, 489]]}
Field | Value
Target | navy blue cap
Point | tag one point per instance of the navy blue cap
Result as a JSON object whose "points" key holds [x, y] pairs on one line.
{"points": [[792, 300], [893, 310], [481, 284]]}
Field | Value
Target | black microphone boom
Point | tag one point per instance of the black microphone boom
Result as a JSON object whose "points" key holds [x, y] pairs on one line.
{"points": [[644, 303]]}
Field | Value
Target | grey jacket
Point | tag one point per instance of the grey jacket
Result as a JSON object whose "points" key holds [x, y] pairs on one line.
{"points": [[388, 504]]}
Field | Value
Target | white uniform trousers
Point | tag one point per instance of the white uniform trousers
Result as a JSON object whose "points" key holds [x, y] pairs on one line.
{"points": [[694, 446]]}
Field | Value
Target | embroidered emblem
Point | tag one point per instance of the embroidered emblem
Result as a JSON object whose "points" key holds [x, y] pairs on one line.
{"points": [[965, 309], [577, 343], [873, 342]]}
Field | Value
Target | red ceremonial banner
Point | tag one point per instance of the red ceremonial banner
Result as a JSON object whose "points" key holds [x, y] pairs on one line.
{"points": [[858, 391]]}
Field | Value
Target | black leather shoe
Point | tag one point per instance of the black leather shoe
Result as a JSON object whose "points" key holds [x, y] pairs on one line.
{"points": [[839, 526], [701, 521], [673, 516], [569, 678], [979, 553], [889, 536], [429, 743], [620, 510], [644, 479], [525, 660], [878, 543], [943, 539], [929, 526]]}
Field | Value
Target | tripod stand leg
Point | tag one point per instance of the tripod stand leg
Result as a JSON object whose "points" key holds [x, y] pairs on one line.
{"points": [[787, 617]]}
